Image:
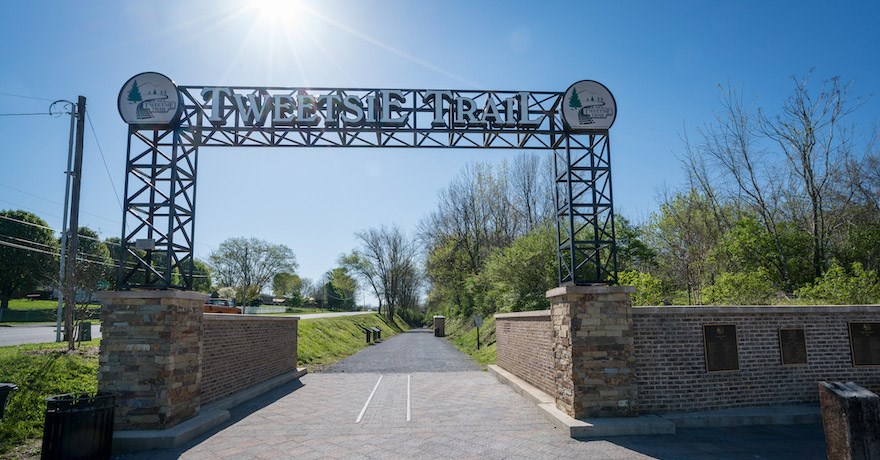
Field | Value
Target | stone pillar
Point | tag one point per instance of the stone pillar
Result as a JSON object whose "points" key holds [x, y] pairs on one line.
{"points": [[150, 356], [593, 350], [851, 419]]}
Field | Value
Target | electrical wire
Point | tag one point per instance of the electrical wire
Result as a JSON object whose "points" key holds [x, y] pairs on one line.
{"points": [[103, 159], [52, 202], [56, 231], [80, 258], [26, 97], [23, 114]]}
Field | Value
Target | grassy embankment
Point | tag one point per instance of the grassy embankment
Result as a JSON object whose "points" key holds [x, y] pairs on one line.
{"points": [[462, 334], [42, 370], [325, 341]]}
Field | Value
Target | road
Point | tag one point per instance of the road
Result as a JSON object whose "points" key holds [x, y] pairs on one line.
{"points": [[39, 333], [44, 332]]}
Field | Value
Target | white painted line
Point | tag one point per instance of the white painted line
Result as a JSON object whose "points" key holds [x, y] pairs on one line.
{"points": [[364, 410], [408, 413]]}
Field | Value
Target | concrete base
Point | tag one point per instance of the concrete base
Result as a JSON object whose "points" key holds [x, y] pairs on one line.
{"points": [[210, 416], [747, 416], [657, 424], [606, 427]]}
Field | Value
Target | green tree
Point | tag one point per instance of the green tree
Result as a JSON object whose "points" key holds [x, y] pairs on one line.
{"points": [[649, 289], [341, 289], [574, 101], [134, 95], [249, 264], [517, 278], [27, 254], [684, 233], [742, 288], [201, 277], [286, 284], [839, 287], [632, 251]]}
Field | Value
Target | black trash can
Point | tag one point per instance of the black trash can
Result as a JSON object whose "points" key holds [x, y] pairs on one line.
{"points": [[78, 426], [6, 390], [85, 331]]}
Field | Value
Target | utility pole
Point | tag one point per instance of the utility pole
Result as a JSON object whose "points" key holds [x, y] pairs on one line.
{"points": [[73, 239], [67, 173]]}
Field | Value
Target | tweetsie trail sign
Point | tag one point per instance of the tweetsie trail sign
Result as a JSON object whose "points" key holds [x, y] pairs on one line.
{"points": [[169, 123]]}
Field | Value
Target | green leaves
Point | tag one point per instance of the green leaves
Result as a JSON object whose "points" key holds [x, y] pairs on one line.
{"points": [[839, 287]]}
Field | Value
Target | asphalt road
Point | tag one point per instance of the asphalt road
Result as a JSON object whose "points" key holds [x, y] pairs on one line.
{"points": [[43, 333], [415, 351]]}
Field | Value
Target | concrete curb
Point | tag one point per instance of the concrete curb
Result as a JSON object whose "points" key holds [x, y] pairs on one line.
{"points": [[748, 416], [658, 424], [210, 416], [642, 425]]}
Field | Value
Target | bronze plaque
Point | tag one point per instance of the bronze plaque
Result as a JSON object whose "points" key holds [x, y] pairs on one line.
{"points": [[793, 346], [864, 340], [719, 343]]}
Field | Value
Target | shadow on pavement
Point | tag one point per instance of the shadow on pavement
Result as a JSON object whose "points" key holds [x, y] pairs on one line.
{"points": [[792, 442], [236, 414]]}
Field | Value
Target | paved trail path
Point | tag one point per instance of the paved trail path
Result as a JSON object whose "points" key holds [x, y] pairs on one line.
{"points": [[415, 397]]}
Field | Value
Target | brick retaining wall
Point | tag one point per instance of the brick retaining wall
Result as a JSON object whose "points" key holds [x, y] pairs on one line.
{"points": [[240, 350], [525, 347], [671, 370], [670, 363]]}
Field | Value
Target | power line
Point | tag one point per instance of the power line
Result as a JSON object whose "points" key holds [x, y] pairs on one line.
{"points": [[103, 159], [22, 114], [81, 258], [24, 222], [25, 97], [30, 194], [49, 201]]}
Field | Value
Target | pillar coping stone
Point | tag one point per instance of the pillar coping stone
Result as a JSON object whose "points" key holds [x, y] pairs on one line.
{"points": [[593, 289], [117, 296]]}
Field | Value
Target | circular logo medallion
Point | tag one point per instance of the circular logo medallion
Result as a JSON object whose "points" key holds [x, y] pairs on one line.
{"points": [[150, 99], [588, 106]]}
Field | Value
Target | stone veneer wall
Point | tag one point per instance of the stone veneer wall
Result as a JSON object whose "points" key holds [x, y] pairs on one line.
{"points": [[241, 350], [671, 370], [150, 356], [525, 347], [593, 350]]}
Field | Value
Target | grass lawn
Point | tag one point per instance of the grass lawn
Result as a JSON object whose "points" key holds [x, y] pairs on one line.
{"points": [[40, 371], [34, 311]]}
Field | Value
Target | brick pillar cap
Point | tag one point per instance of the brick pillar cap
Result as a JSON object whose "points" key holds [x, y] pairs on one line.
{"points": [[594, 289], [111, 296]]}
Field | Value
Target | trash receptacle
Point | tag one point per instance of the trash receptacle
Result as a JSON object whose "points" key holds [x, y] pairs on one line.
{"points": [[78, 426], [439, 326], [6, 390], [85, 331]]}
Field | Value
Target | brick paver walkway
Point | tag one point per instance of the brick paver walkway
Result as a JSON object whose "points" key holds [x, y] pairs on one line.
{"points": [[457, 414]]}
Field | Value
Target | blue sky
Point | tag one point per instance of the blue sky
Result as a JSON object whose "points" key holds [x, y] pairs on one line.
{"points": [[662, 60]]}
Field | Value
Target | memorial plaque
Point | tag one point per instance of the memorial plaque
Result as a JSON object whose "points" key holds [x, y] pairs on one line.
{"points": [[719, 343], [792, 346], [864, 341]]}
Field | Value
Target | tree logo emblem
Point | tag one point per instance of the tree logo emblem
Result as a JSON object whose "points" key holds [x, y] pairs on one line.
{"points": [[588, 106], [149, 99]]}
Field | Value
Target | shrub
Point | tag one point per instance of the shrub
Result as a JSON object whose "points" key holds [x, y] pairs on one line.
{"points": [[741, 288], [649, 289], [837, 287]]}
